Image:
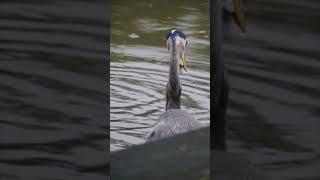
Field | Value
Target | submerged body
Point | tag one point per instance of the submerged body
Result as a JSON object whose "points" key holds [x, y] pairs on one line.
{"points": [[174, 120]]}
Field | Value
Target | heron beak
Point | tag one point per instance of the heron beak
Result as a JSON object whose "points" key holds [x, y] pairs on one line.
{"points": [[183, 63], [238, 15]]}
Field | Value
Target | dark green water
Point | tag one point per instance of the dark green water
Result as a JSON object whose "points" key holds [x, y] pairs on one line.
{"points": [[52, 109], [274, 71]]}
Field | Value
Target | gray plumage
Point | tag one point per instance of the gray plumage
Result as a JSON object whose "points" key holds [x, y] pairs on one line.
{"points": [[174, 120]]}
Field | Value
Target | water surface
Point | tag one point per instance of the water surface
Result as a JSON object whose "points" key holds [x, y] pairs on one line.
{"points": [[52, 104], [275, 92]]}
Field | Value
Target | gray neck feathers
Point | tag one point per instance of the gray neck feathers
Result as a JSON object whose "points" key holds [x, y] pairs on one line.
{"points": [[173, 86]]}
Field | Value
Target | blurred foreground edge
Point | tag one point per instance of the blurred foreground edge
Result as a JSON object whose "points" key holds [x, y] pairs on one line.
{"points": [[185, 157]]}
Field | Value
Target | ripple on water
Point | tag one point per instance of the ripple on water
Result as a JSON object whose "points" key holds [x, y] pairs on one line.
{"points": [[138, 87]]}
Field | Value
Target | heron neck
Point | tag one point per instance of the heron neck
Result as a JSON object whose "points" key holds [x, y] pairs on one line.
{"points": [[174, 87], [174, 68]]}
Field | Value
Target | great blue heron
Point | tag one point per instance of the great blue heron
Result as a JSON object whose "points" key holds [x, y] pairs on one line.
{"points": [[222, 14], [174, 120]]}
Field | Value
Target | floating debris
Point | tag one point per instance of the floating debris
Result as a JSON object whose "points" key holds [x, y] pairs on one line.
{"points": [[134, 36]]}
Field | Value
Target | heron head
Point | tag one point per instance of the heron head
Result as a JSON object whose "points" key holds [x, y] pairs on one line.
{"points": [[176, 42]]}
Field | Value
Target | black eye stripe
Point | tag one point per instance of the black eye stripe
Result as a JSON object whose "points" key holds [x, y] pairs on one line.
{"points": [[181, 34], [175, 33]]}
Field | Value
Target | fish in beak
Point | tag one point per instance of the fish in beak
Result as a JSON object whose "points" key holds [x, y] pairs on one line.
{"points": [[238, 15], [236, 9], [183, 63]]}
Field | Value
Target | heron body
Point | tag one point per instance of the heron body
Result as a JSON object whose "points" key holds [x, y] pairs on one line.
{"points": [[174, 120]]}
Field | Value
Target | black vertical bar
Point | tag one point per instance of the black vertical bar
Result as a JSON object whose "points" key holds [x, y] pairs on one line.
{"points": [[108, 84], [219, 83]]}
